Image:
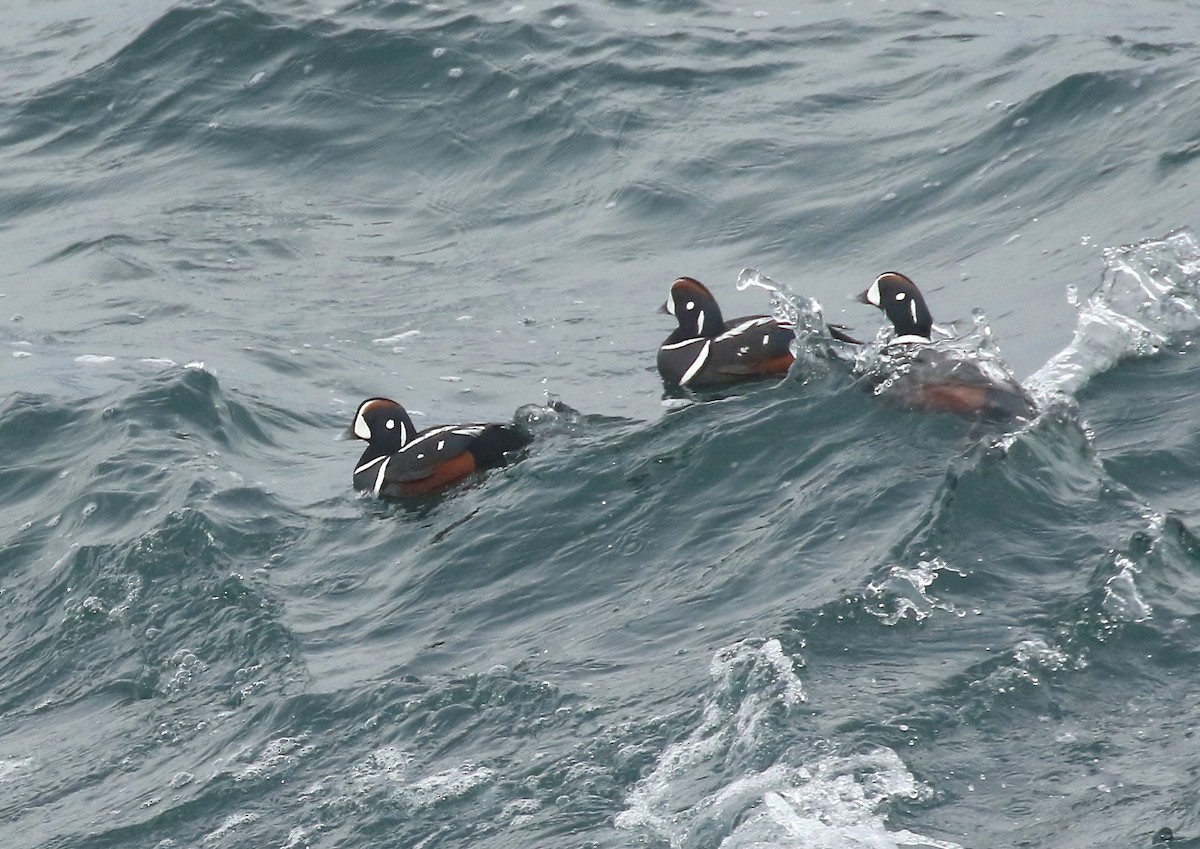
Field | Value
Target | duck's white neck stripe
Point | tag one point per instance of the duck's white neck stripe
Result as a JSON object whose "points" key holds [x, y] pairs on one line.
{"points": [[369, 464], [379, 477], [696, 365]]}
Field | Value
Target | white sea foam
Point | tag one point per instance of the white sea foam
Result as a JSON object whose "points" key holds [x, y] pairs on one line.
{"points": [[10, 766], [449, 784], [396, 338], [394, 772], [1122, 599], [385, 765], [278, 755], [831, 800], [230, 823], [1148, 296]]}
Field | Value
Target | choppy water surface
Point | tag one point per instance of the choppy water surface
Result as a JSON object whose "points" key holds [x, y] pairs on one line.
{"points": [[788, 617]]}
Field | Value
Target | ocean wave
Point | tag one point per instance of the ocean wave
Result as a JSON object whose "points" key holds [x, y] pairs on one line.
{"points": [[757, 797]]}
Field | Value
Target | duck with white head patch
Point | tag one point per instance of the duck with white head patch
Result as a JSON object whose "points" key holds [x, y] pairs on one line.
{"points": [[707, 351], [903, 304], [401, 461], [933, 378]]}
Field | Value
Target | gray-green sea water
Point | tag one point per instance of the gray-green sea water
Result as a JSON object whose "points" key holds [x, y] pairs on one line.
{"points": [[789, 617]]}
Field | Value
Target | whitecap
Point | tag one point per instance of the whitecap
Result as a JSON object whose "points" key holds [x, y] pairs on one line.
{"points": [[450, 784], [8, 766], [276, 756], [1149, 295], [396, 338], [830, 800], [393, 770], [229, 824], [1122, 599]]}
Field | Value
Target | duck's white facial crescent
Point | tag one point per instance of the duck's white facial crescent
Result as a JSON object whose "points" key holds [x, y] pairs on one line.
{"points": [[873, 293], [361, 429]]}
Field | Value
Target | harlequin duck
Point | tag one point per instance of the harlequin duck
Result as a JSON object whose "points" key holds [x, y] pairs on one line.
{"points": [[400, 461], [932, 378], [705, 350]]}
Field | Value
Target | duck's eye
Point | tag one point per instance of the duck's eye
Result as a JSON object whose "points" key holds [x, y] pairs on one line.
{"points": [[391, 424]]}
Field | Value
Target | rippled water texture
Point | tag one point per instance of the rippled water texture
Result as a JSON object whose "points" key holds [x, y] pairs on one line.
{"points": [[789, 617]]}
